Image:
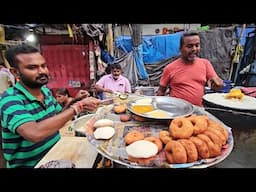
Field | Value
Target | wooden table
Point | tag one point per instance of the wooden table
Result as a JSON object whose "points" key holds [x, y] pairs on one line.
{"points": [[76, 149], [66, 131]]}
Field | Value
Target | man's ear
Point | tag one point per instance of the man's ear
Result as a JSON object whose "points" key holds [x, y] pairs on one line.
{"points": [[15, 72]]}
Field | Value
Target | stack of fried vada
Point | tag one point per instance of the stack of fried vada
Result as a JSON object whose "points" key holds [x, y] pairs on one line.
{"points": [[192, 138], [187, 140]]}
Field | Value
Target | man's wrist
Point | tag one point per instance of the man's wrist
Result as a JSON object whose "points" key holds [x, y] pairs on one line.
{"points": [[77, 107], [74, 110]]}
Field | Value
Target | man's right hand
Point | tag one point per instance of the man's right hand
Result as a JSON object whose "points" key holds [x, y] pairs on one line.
{"points": [[82, 93], [215, 83], [90, 103]]}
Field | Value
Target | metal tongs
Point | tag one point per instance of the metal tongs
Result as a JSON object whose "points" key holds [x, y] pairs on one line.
{"points": [[107, 101]]}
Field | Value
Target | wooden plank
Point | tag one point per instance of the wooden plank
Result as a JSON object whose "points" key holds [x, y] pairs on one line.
{"points": [[66, 131], [76, 149]]}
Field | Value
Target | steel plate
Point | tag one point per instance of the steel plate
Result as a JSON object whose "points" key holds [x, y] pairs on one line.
{"points": [[174, 107], [247, 103]]}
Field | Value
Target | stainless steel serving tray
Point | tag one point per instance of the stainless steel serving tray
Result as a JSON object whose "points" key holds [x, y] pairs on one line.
{"points": [[115, 148], [248, 103], [173, 106]]}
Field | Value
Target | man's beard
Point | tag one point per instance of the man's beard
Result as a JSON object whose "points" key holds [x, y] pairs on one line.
{"points": [[40, 81]]}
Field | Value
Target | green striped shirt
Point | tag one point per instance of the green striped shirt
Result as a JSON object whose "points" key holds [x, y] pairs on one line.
{"points": [[18, 106]]}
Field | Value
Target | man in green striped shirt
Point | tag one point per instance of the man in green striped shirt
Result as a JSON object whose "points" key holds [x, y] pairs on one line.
{"points": [[30, 115]]}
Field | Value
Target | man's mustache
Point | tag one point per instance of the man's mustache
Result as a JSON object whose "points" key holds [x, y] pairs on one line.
{"points": [[42, 75]]}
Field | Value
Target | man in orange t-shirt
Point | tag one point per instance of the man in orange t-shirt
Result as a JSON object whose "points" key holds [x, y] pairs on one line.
{"points": [[188, 75]]}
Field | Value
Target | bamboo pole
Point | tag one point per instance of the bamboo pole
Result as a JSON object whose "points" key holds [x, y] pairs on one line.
{"points": [[110, 40], [2, 34]]}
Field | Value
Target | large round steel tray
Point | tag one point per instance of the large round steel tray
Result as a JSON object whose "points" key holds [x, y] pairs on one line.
{"points": [[218, 99], [114, 149], [174, 107]]}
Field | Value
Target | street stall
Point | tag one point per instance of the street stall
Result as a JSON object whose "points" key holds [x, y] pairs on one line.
{"points": [[115, 148], [110, 149]]}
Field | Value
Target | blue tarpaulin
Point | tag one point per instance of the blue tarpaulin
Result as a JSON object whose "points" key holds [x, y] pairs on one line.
{"points": [[155, 48], [245, 34], [138, 59], [106, 57], [124, 43]]}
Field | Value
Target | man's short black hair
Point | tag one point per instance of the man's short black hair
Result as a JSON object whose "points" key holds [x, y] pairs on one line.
{"points": [[12, 52], [187, 34], [116, 66]]}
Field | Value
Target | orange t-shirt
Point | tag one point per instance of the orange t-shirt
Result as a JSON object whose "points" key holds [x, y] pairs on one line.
{"points": [[187, 81]]}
